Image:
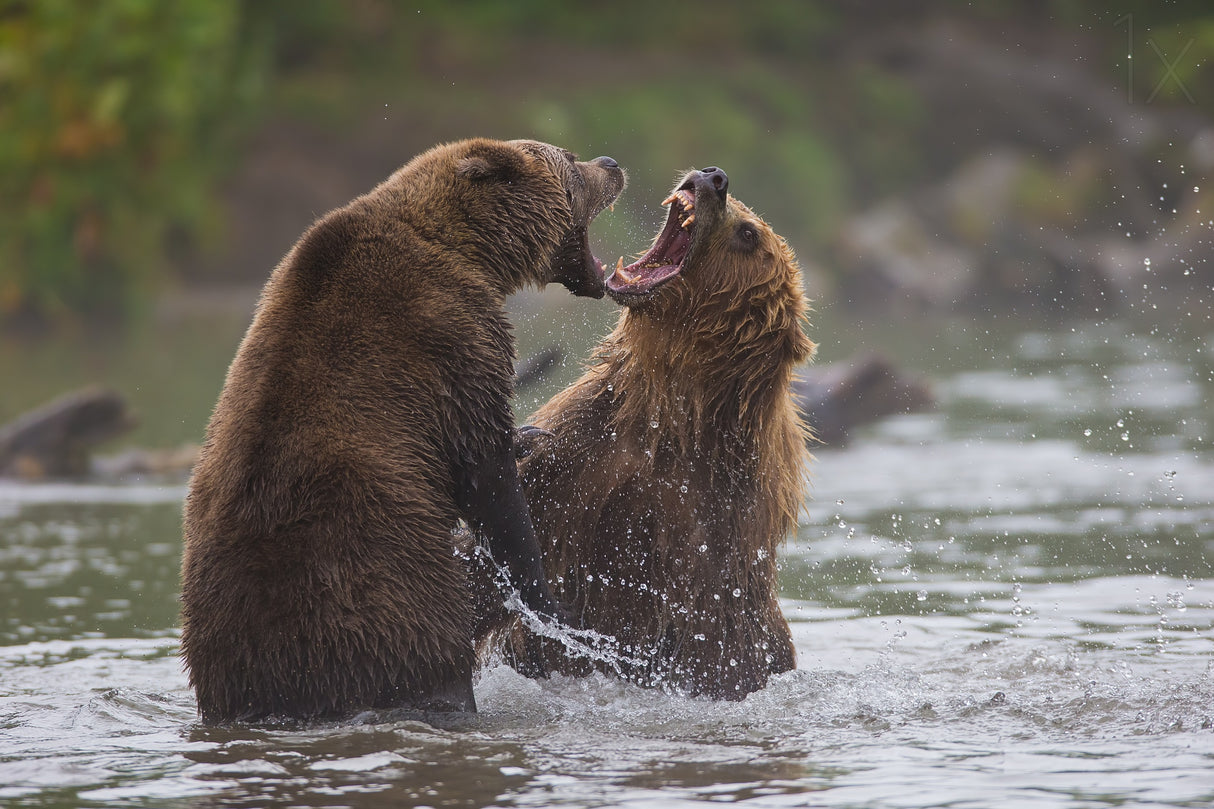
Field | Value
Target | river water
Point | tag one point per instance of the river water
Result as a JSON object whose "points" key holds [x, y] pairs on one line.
{"points": [[1007, 601]]}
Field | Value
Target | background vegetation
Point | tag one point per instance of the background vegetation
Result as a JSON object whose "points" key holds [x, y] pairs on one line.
{"points": [[113, 126], [130, 129]]}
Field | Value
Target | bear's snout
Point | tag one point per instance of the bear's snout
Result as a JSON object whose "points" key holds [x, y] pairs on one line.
{"points": [[712, 177], [607, 179]]}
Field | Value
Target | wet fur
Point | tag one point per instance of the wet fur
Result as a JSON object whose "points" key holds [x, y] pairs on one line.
{"points": [[368, 410], [676, 467]]}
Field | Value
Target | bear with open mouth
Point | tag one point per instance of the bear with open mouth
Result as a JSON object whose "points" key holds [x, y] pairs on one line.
{"points": [[367, 412], [663, 480]]}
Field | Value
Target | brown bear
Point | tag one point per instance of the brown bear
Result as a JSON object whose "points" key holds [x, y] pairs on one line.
{"points": [[366, 412], [663, 480]]}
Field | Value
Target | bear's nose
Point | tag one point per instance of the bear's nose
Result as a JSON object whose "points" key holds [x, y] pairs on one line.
{"points": [[718, 178], [606, 162]]}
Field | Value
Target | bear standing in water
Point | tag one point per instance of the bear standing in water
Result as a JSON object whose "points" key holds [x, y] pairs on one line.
{"points": [[672, 470], [367, 411]]}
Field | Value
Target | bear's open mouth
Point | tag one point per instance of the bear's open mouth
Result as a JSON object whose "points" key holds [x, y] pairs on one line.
{"points": [[665, 259]]}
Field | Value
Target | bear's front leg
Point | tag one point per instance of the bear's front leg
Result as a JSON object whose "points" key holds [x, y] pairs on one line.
{"points": [[491, 498]]}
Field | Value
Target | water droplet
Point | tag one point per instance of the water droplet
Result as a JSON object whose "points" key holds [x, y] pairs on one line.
{"points": [[703, 548], [921, 595], [653, 425], [1088, 432], [736, 592]]}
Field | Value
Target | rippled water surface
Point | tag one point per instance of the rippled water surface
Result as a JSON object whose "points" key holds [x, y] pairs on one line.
{"points": [[1008, 601]]}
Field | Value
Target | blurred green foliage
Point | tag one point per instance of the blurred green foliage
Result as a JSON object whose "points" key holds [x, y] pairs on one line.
{"points": [[110, 117], [119, 118]]}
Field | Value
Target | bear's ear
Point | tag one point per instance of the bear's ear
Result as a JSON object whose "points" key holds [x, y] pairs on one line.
{"points": [[474, 168], [491, 161]]}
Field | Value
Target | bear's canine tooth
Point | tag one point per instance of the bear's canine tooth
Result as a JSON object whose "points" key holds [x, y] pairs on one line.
{"points": [[687, 222], [623, 273], [670, 199]]}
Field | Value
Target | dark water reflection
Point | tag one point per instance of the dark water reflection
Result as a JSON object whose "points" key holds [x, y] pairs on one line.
{"points": [[1007, 601]]}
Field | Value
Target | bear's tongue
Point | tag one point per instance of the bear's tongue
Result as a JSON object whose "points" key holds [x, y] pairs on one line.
{"points": [[665, 258]]}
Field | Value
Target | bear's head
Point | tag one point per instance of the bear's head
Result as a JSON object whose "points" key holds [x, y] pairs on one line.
{"points": [[716, 266], [716, 270], [534, 202]]}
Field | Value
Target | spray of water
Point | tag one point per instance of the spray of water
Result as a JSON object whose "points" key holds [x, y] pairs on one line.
{"points": [[584, 643], [578, 643]]}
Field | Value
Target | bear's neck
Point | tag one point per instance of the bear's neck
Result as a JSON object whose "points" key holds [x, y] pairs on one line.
{"points": [[697, 381], [502, 251], [712, 409]]}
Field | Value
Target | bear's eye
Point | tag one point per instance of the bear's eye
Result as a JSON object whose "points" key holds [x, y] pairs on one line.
{"points": [[747, 237]]}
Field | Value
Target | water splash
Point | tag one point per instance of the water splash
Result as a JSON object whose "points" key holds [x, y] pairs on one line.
{"points": [[579, 643]]}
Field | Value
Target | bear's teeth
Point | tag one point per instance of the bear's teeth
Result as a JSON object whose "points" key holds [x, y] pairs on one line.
{"points": [[623, 273], [687, 222], [684, 198]]}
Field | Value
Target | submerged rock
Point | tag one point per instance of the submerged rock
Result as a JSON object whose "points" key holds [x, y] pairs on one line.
{"points": [[57, 439], [837, 398]]}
